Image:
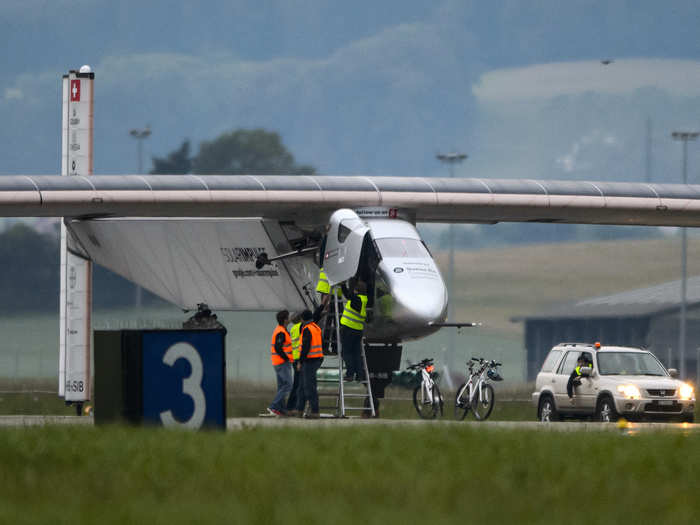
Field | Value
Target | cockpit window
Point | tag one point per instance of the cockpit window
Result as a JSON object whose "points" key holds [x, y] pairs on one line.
{"points": [[343, 232], [346, 227], [404, 248]]}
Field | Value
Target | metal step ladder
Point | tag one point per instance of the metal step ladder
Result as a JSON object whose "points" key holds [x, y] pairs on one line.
{"points": [[343, 396]]}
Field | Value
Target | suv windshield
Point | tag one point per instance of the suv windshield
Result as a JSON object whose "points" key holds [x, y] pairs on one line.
{"points": [[629, 363]]}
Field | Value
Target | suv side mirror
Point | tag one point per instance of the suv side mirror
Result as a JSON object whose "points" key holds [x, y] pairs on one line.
{"points": [[587, 371], [673, 372]]}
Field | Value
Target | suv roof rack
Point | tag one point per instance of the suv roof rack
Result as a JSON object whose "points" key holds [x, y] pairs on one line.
{"points": [[575, 344]]}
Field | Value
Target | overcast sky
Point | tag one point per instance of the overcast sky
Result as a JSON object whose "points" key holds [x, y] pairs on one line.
{"points": [[365, 88]]}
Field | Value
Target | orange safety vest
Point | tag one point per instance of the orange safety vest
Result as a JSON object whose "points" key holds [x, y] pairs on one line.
{"points": [[286, 346], [316, 349]]}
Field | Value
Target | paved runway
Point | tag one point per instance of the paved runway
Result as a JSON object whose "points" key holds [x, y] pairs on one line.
{"points": [[572, 426], [273, 422], [33, 421]]}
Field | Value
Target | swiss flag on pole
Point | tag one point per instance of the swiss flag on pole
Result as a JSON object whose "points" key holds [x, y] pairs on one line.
{"points": [[75, 90]]}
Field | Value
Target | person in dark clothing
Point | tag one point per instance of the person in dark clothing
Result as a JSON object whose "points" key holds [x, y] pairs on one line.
{"points": [[281, 357], [311, 357], [352, 325], [575, 377]]}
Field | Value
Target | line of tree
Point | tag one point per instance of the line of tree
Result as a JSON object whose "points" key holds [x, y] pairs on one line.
{"points": [[239, 152], [30, 278]]}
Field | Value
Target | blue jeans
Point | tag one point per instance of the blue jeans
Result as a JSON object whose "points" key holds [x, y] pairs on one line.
{"points": [[308, 380], [284, 385], [293, 398]]}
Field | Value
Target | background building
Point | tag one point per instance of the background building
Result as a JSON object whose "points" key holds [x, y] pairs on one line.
{"points": [[647, 317]]}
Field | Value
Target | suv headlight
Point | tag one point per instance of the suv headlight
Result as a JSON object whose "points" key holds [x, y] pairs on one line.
{"points": [[686, 391], [629, 391]]}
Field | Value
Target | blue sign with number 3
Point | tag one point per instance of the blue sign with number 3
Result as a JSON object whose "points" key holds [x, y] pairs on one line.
{"points": [[183, 378]]}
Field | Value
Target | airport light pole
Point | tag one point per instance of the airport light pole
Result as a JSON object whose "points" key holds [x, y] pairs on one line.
{"points": [[140, 135], [683, 136], [451, 159]]}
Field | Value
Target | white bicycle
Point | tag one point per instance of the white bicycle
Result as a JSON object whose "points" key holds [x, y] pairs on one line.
{"points": [[427, 397], [476, 393]]}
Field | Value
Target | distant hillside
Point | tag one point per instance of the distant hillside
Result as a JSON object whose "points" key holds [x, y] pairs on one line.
{"points": [[495, 284]]}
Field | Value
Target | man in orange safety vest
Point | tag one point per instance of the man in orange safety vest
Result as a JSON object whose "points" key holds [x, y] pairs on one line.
{"points": [[281, 357]]}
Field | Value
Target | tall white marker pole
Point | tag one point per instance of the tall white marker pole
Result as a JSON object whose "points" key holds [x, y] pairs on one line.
{"points": [[74, 377]]}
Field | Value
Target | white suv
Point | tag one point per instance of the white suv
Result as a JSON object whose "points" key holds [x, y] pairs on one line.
{"points": [[627, 382]]}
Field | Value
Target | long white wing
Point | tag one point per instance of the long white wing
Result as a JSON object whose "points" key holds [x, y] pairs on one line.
{"points": [[192, 261], [307, 198]]}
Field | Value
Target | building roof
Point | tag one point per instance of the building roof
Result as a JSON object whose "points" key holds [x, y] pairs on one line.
{"points": [[642, 302]]}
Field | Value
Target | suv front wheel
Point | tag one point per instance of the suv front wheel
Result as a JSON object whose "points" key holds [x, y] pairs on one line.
{"points": [[546, 411], [606, 411]]}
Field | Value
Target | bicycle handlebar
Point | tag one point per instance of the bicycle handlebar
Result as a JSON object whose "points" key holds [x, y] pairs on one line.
{"points": [[482, 361], [422, 364]]}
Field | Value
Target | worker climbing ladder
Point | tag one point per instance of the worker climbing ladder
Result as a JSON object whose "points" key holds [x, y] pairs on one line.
{"points": [[332, 387]]}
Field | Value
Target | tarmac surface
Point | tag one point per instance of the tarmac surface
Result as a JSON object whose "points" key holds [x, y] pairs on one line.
{"points": [[243, 423]]}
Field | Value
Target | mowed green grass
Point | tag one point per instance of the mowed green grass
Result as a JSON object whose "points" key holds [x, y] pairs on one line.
{"points": [[425, 474]]}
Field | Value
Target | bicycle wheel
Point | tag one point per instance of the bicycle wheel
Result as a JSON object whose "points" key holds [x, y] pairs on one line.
{"points": [[461, 403], [425, 409], [482, 405], [437, 400]]}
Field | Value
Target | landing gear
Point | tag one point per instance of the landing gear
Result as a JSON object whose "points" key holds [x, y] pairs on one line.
{"points": [[382, 361]]}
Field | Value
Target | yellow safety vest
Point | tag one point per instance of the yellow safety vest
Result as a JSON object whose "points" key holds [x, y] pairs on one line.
{"points": [[352, 318], [295, 334], [386, 304], [578, 369], [324, 286]]}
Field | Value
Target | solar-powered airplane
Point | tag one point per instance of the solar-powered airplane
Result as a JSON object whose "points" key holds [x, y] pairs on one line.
{"points": [[194, 239]]}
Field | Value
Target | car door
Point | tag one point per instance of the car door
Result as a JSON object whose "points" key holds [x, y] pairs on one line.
{"points": [[587, 392], [561, 378], [346, 234]]}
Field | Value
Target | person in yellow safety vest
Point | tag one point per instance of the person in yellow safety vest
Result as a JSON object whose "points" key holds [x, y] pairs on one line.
{"points": [[327, 305], [295, 334], [575, 377], [281, 357], [386, 303], [311, 357], [323, 287], [352, 324]]}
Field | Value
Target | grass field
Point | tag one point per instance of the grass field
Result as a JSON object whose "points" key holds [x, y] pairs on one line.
{"points": [[250, 399], [426, 474]]}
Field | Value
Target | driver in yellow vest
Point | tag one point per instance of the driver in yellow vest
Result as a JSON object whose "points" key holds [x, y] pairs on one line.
{"points": [[352, 324]]}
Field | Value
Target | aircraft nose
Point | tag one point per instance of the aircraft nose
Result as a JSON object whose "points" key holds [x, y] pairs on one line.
{"points": [[421, 305]]}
